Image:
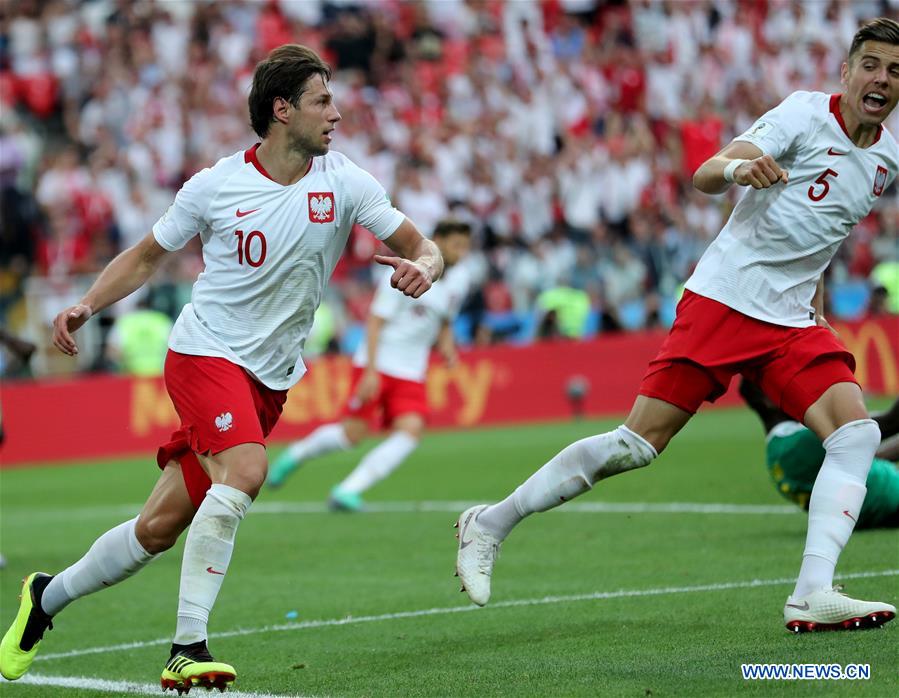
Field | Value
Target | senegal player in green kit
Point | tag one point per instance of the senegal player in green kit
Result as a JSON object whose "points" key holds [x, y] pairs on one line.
{"points": [[794, 456]]}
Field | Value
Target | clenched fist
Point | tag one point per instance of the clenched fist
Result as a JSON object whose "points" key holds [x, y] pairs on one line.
{"points": [[760, 173]]}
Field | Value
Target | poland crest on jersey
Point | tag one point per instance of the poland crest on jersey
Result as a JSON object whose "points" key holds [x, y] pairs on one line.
{"points": [[321, 207], [879, 180]]}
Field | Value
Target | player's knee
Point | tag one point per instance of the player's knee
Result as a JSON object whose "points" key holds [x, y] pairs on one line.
{"points": [[659, 438], [413, 427], [354, 432], [857, 437], [249, 480], [158, 532], [247, 475]]}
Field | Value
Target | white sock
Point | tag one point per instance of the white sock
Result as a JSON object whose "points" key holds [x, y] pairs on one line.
{"points": [[325, 439], [571, 472], [836, 500], [114, 556], [380, 462], [207, 552]]}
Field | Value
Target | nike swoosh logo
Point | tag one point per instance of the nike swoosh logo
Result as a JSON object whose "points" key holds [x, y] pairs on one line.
{"points": [[212, 571], [830, 151], [462, 542], [803, 607], [849, 515], [241, 214]]}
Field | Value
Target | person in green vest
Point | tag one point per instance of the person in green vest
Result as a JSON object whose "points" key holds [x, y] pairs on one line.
{"points": [[886, 276], [569, 307], [139, 341], [323, 335]]}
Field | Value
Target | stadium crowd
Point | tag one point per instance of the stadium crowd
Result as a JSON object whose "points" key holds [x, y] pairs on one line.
{"points": [[565, 131]]}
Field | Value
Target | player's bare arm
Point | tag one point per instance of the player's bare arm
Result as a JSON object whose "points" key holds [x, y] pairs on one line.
{"points": [[370, 381], [122, 276], [740, 163], [446, 344], [421, 264], [818, 305]]}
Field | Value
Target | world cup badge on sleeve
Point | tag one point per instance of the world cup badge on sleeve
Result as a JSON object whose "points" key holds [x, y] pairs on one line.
{"points": [[321, 207], [879, 180]]}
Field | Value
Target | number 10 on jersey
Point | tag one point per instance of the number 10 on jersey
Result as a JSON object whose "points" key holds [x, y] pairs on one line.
{"points": [[246, 248]]}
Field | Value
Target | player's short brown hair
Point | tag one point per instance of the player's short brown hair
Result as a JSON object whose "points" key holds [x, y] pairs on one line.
{"points": [[881, 29], [450, 226], [282, 74]]}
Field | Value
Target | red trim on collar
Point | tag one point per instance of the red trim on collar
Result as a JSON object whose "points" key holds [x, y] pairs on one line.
{"points": [[250, 156], [835, 110]]}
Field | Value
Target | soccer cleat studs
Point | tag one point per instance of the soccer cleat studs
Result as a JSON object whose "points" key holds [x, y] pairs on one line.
{"points": [[875, 620]]}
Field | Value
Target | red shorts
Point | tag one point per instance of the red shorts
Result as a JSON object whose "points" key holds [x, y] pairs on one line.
{"points": [[395, 398], [220, 406], [710, 342]]}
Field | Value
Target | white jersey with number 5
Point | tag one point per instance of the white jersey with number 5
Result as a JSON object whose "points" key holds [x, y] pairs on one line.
{"points": [[411, 325], [768, 257], [269, 251]]}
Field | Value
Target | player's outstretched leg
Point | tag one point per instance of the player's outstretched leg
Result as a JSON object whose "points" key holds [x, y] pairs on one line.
{"points": [[114, 556], [569, 474], [834, 507], [325, 439], [377, 465]]}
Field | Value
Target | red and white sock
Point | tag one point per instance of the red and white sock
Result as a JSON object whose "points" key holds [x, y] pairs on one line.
{"points": [[207, 553], [836, 501]]}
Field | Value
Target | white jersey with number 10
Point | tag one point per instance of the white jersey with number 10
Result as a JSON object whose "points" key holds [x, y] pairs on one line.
{"points": [[767, 259], [269, 251]]}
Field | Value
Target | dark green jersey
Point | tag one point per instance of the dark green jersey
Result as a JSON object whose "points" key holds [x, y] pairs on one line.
{"points": [[795, 455]]}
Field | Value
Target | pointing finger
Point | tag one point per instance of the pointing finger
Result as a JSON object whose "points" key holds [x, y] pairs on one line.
{"points": [[387, 261]]}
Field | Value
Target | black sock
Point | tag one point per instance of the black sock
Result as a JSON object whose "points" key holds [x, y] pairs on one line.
{"points": [[192, 650], [38, 585]]}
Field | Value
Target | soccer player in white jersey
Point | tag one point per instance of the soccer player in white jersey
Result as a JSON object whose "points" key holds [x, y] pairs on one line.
{"points": [[389, 370], [273, 221], [816, 164]]}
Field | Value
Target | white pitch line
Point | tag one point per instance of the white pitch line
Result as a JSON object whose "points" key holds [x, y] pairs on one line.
{"points": [[447, 610], [448, 507], [571, 507], [119, 687]]}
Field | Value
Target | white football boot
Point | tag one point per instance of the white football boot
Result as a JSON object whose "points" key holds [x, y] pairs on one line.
{"points": [[478, 550], [829, 609]]}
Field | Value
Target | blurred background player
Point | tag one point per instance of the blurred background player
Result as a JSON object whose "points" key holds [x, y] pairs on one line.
{"points": [[235, 349], [389, 370], [794, 455], [815, 165]]}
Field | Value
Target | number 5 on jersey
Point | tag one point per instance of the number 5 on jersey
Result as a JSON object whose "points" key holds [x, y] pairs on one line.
{"points": [[825, 185], [246, 250]]}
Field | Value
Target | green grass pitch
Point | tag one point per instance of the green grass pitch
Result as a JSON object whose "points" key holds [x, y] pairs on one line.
{"points": [[326, 567]]}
